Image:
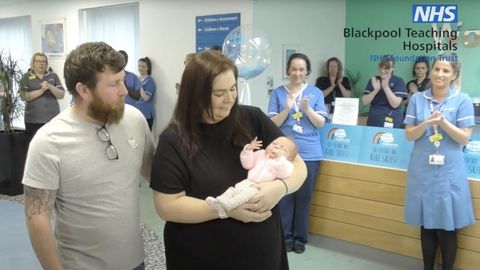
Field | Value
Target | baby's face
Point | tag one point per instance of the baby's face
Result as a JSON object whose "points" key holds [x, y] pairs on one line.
{"points": [[281, 147]]}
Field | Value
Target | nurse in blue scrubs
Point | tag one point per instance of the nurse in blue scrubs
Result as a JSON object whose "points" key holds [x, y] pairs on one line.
{"points": [[385, 94], [440, 121], [298, 109]]}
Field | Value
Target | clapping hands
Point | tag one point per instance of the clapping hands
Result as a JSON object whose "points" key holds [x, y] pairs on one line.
{"points": [[376, 83], [304, 104], [435, 119], [340, 80], [44, 86]]}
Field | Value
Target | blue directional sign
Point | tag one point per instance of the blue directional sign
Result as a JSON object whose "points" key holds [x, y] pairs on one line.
{"points": [[213, 29]]}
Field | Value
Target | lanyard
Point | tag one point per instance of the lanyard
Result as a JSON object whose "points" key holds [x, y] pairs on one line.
{"points": [[297, 97], [436, 143], [432, 110]]}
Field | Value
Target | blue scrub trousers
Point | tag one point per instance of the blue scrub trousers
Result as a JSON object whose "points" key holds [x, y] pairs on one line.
{"points": [[295, 207]]}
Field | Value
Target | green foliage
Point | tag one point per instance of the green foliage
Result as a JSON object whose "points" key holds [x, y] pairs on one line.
{"points": [[357, 92], [11, 106], [353, 79]]}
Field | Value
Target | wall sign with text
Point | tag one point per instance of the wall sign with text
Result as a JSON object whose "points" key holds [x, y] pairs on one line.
{"points": [[213, 29]]}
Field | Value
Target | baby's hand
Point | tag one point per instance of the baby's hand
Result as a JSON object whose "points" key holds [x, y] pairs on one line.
{"points": [[254, 145]]}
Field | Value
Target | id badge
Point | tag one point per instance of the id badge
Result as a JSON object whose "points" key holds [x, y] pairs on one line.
{"points": [[297, 115], [436, 137], [436, 159], [388, 122], [298, 128]]}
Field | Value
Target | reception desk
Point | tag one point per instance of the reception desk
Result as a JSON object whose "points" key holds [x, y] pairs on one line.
{"points": [[364, 204]]}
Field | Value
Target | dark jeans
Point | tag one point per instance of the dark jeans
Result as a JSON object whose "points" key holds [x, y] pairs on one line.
{"points": [[295, 207]]}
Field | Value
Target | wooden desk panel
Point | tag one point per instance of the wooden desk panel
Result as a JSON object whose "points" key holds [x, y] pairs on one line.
{"points": [[364, 205]]}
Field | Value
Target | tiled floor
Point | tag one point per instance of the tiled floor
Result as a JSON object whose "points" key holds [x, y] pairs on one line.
{"points": [[321, 252]]}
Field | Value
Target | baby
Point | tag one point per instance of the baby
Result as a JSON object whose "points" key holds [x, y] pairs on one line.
{"points": [[275, 162]]}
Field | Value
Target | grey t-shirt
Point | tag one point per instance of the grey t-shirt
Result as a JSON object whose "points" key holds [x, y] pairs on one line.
{"points": [[45, 107], [97, 207]]}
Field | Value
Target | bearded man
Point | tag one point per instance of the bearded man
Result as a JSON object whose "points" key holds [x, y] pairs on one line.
{"points": [[86, 165]]}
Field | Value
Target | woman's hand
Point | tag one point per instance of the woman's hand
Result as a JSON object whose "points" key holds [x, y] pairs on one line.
{"points": [[375, 83], [412, 87], [268, 195], [340, 80], [303, 104], [435, 119], [247, 213], [44, 86], [332, 82], [290, 100], [385, 80]]}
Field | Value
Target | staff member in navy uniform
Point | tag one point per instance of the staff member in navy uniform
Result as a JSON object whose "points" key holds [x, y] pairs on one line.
{"points": [[385, 94], [40, 88]]}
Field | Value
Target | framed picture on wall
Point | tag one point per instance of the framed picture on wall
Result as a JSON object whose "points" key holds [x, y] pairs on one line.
{"points": [[288, 50], [53, 37]]}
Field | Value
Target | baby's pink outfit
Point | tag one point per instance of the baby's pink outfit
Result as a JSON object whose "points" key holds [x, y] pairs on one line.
{"points": [[260, 169]]}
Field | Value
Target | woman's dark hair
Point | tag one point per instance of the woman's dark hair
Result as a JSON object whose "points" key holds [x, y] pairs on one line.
{"points": [[340, 67], [299, 56], [147, 61], [421, 59], [387, 61], [195, 99], [125, 55]]}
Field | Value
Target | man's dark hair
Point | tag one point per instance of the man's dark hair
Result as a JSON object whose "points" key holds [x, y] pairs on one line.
{"points": [[85, 62], [217, 48]]}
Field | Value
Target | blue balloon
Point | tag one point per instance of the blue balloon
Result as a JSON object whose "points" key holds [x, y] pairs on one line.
{"points": [[249, 49]]}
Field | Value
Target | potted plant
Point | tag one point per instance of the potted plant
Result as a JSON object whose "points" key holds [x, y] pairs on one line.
{"points": [[13, 143]]}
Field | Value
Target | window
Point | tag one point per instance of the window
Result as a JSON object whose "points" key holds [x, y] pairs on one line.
{"points": [[16, 40], [116, 25]]}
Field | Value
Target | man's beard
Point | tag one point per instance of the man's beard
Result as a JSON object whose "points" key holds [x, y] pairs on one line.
{"points": [[104, 112]]}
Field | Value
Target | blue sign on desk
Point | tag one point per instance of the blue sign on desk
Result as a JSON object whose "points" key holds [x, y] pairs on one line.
{"points": [[385, 147], [213, 29], [341, 142], [472, 156]]}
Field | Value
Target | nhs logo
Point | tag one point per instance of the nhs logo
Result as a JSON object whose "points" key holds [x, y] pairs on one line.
{"points": [[435, 13]]}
